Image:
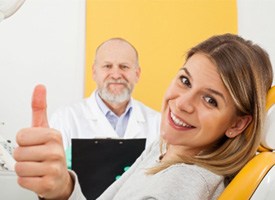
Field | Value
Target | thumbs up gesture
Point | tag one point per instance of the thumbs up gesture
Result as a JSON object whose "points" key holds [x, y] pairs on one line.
{"points": [[41, 165], [39, 107]]}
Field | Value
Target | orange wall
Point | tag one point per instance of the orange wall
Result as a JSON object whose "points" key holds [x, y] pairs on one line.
{"points": [[161, 30]]}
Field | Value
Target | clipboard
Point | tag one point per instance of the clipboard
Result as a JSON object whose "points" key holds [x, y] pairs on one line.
{"points": [[97, 162]]}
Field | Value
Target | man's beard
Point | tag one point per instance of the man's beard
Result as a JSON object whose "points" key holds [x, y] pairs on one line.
{"points": [[109, 96]]}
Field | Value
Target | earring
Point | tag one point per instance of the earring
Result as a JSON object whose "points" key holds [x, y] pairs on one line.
{"points": [[230, 133]]}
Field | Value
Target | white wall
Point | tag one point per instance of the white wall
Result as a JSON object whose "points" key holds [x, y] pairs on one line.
{"points": [[42, 43], [256, 22]]}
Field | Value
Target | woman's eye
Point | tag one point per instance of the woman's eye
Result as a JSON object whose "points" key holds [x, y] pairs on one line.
{"points": [[185, 81], [211, 101]]}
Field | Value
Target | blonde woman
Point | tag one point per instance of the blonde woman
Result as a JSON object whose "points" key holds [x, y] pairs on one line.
{"points": [[212, 119]]}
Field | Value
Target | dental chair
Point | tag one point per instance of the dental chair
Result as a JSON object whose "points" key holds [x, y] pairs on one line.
{"points": [[256, 181]]}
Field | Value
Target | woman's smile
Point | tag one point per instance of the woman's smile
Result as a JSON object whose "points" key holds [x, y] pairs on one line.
{"points": [[178, 123]]}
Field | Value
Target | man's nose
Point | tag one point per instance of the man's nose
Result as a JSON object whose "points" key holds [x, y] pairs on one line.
{"points": [[116, 72], [185, 102]]}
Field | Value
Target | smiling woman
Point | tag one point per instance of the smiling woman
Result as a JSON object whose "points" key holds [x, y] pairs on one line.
{"points": [[214, 109], [198, 107], [212, 119]]}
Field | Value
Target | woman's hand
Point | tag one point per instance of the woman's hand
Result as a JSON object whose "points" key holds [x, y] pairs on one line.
{"points": [[41, 164]]}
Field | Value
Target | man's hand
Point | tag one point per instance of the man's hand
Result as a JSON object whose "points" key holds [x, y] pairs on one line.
{"points": [[41, 165]]}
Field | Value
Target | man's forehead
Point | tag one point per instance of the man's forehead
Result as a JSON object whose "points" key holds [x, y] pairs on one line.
{"points": [[116, 52], [114, 45]]}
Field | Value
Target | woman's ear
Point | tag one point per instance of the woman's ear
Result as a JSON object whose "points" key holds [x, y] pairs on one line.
{"points": [[238, 126]]}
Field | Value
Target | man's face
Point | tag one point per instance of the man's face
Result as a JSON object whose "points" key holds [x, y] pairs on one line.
{"points": [[116, 71]]}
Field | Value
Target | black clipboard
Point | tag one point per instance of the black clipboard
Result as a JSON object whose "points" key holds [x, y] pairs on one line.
{"points": [[97, 162]]}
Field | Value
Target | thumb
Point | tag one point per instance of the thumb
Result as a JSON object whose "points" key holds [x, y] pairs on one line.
{"points": [[39, 107]]}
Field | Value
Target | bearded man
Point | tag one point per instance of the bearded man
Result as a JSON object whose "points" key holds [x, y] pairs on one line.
{"points": [[110, 111]]}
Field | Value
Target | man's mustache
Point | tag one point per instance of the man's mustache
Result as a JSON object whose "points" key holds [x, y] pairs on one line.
{"points": [[117, 81]]}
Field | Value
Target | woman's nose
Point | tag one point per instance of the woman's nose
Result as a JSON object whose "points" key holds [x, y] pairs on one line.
{"points": [[186, 102]]}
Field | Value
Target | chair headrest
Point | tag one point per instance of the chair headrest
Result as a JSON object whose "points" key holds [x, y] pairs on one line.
{"points": [[268, 138]]}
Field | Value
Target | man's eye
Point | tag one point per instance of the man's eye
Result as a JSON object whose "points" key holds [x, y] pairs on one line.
{"points": [[185, 81], [124, 67], [211, 101], [107, 66]]}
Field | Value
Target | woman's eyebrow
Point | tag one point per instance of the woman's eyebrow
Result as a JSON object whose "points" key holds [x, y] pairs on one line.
{"points": [[186, 71], [217, 93]]}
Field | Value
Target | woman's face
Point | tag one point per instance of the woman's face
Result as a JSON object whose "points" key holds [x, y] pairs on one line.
{"points": [[197, 110]]}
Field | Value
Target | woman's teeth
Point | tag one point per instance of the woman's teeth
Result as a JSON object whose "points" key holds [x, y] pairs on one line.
{"points": [[178, 122]]}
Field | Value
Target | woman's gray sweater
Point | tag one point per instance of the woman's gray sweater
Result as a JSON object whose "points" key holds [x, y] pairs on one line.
{"points": [[179, 181]]}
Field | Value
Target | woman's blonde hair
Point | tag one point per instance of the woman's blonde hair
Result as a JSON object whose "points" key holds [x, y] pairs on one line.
{"points": [[247, 73]]}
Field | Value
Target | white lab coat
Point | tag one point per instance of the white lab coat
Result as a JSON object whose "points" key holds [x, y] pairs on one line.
{"points": [[85, 120]]}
